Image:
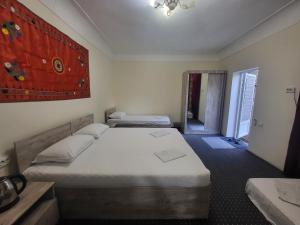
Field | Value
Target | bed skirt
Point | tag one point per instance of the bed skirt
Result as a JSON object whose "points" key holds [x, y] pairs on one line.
{"points": [[134, 203]]}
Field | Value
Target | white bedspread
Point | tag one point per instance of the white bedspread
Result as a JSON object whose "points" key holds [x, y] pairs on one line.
{"points": [[124, 157], [141, 119], [264, 195], [289, 190]]}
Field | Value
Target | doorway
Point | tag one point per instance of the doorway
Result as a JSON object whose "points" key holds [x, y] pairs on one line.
{"points": [[194, 123], [202, 101], [245, 105]]}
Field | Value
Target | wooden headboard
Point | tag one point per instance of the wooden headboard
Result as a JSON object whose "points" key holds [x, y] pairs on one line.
{"points": [[108, 112], [81, 122], [27, 149]]}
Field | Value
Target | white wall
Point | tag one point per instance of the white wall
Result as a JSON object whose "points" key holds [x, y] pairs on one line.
{"points": [[278, 58], [203, 94], [151, 86], [20, 120]]}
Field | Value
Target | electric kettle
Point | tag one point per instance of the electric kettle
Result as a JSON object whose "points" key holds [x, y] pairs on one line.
{"points": [[10, 190]]}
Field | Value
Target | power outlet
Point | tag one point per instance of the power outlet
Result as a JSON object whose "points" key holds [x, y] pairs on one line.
{"points": [[291, 90]]}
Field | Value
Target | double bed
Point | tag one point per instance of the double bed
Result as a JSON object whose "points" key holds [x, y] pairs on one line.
{"points": [[264, 195], [136, 120], [120, 177]]}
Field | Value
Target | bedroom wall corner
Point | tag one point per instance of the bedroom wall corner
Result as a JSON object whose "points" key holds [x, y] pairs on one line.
{"points": [[20, 120], [277, 58], [152, 86]]}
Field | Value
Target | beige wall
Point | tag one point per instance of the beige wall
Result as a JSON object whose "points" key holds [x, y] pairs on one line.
{"points": [[278, 58], [155, 87], [19, 120], [203, 96], [152, 86]]}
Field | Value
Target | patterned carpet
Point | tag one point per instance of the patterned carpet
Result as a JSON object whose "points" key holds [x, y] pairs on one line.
{"points": [[230, 170]]}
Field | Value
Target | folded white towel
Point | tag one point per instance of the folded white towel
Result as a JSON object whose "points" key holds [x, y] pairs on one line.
{"points": [[289, 191], [160, 133], [169, 155]]}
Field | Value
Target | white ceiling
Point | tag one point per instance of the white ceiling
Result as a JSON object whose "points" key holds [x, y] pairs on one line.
{"points": [[133, 27]]}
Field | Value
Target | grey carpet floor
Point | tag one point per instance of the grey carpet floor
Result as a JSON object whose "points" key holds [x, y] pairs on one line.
{"points": [[230, 170], [195, 125]]}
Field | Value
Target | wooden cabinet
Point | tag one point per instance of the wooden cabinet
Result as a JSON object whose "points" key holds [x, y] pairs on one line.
{"points": [[37, 206]]}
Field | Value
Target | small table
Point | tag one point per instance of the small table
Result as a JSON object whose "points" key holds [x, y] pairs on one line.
{"points": [[37, 205]]}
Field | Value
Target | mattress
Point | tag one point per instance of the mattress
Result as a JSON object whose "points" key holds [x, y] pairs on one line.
{"points": [[263, 193], [124, 157], [141, 120]]}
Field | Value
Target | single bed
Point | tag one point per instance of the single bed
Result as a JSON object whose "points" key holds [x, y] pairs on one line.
{"points": [[135, 120], [119, 177], [263, 193]]}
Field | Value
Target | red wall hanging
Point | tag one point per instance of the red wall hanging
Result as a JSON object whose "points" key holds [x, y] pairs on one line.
{"points": [[37, 61]]}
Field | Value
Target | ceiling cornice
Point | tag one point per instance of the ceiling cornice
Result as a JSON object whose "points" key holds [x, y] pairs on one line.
{"points": [[283, 18], [191, 58], [101, 33], [68, 11]]}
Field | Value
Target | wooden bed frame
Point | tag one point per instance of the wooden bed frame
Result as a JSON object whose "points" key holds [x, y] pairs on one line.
{"points": [[108, 112], [113, 109], [114, 203]]}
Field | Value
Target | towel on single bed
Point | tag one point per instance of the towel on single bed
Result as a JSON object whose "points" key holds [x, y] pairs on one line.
{"points": [[289, 191], [160, 133], [169, 155]]}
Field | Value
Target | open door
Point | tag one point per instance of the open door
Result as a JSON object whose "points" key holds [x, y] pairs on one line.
{"points": [[185, 90], [214, 102], [212, 107], [246, 103]]}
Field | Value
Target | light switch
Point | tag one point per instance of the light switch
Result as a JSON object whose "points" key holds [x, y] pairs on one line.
{"points": [[291, 90]]}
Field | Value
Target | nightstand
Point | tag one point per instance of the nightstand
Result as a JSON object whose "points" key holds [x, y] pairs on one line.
{"points": [[37, 206]]}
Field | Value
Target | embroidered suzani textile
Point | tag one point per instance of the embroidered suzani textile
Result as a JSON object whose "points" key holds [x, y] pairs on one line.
{"points": [[37, 61]]}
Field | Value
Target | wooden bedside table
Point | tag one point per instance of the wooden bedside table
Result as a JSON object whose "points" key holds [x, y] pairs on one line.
{"points": [[37, 206]]}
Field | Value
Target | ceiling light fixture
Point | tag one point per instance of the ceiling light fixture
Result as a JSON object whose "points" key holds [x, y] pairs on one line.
{"points": [[170, 5]]}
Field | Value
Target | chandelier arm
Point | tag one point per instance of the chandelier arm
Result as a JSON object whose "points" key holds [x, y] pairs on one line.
{"points": [[185, 6], [159, 5], [172, 4]]}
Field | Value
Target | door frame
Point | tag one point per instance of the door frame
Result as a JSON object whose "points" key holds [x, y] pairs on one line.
{"points": [[239, 105], [185, 90]]}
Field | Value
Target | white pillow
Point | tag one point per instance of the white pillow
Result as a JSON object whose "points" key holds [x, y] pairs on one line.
{"points": [[66, 150], [94, 129], [117, 115]]}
